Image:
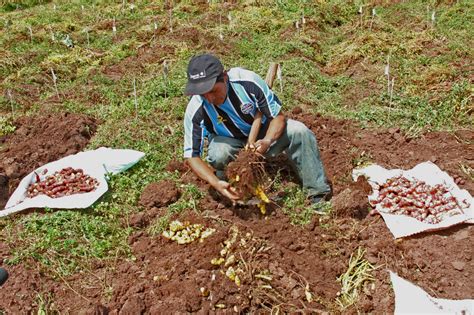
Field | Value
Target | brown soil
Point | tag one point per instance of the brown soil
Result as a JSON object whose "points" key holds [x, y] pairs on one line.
{"points": [[160, 194], [275, 260], [353, 201], [42, 139]]}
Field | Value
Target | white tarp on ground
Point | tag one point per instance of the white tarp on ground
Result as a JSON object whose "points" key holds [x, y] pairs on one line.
{"points": [[402, 225], [410, 299], [96, 163]]}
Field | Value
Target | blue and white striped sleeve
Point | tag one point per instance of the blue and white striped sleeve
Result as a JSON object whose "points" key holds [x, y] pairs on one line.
{"points": [[267, 102], [194, 130]]}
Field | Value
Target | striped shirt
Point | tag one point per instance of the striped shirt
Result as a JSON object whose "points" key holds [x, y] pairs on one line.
{"points": [[247, 94]]}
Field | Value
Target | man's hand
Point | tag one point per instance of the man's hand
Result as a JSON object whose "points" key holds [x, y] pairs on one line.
{"points": [[262, 145], [225, 189], [206, 173]]}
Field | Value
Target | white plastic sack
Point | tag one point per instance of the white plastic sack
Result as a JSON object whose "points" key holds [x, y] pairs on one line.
{"points": [[402, 225], [95, 163], [410, 299]]}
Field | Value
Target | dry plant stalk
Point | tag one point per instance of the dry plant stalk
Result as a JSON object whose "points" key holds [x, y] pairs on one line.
{"points": [[354, 278]]}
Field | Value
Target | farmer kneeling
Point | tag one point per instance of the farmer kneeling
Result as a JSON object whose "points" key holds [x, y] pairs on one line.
{"points": [[223, 106]]}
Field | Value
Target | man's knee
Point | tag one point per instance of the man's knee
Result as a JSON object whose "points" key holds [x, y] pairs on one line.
{"points": [[219, 155], [296, 129]]}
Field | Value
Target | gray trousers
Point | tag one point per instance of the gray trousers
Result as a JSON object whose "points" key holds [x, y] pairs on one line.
{"points": [[301, 148]]}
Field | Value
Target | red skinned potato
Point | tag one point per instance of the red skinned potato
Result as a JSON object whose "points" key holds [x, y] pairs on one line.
{"points": [[65, 182], [414, 198]]}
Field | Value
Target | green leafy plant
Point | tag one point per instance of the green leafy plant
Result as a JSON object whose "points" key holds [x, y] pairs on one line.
{"points": [[63, 240], [6, 126]]}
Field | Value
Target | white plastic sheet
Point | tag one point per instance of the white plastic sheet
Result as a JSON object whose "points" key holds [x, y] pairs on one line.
{"points": [[410, 299], [96, 163], [402, 225]]}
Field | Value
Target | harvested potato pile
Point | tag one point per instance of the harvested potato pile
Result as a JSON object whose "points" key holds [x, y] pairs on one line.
{"points": [[415, 198], [65, 182], [185, 233]]}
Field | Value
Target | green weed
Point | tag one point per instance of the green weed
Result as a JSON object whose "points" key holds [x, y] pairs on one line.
{"points": [[65, 240], [6, 126], [298, 209]]}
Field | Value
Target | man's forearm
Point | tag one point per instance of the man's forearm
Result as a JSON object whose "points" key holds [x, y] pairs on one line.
{"points": [[203, 170], [276, 128]]}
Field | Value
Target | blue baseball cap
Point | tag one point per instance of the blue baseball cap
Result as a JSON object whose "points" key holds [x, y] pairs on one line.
{"points": [[203, 71]]}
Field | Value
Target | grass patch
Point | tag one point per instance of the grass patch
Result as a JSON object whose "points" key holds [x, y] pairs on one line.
{"points": [[65, 240], [6, 126], [296, 207]]}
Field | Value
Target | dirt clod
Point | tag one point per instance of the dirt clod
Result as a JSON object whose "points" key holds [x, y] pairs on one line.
{"points": [[458, 265], [133, 305], [353, 201], [139, 220], [160, 194]]}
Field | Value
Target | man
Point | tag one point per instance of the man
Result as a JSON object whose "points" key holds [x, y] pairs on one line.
{"points": [[222, 108]]}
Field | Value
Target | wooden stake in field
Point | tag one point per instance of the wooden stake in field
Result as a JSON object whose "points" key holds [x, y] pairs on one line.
{"points": [[171, 17], [303, 22], [221, 37], [87, 37], [30, 31], [155, 28], [280, 78], [360, 15], [387, 73], [114, 28], [374, 13], [55, 83], [10, 98], [391, 91], [165, 76], [135, 98]]}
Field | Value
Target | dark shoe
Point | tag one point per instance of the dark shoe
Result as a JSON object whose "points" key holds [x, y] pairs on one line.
{"points": [[315, 199], [3, 276]]}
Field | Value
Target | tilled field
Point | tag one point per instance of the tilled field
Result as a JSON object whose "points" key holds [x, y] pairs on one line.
{"points": [[278, 264]]}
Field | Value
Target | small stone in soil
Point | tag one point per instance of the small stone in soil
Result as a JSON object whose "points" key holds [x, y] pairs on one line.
{"points": [[458, 265], [461, 235]]}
